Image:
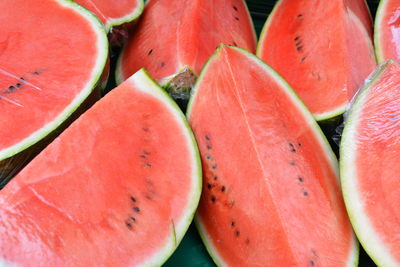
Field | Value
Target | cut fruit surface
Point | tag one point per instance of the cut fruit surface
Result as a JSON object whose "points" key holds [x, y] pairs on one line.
{"points": [[322, 49], [176, 35], [369, 165], [271, 193], [118, 188], [46, 74], [114, 13], [387, 30]]}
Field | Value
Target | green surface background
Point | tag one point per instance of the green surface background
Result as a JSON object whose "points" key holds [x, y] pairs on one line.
{"points": [[191, 251]]}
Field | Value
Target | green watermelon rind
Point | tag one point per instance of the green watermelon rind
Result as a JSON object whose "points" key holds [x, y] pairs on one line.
{"points": [[361, 224], [130, 17], [178, 230], [353, 256], [102, 56], [380, 12]]}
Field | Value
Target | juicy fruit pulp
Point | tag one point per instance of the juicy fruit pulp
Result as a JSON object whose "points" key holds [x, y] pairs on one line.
{"points": [[114, 13], [369, 165], [44, 77], [387, 30], [118, 188], [271, 192], [322, 49], [174, 35]]}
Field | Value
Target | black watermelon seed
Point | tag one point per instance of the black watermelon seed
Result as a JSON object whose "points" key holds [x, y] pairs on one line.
{"points": [[235, 8], [209, 147], [292, 149], [150, 52], [208, 156], [303, 58], [209, 186], [305, 193], [213, 199], [299, 48], [18, 85], [300, 15], [299, 144], [214, 166], [312, 263], [293, 163], [237, 232], [36, 73], [133, 199], [300, 179], [21, 79], [215, 177], [132, 219], [129, 225], [137, 209], [162, 64], [237, 18], [207, 138], [233, 223], [11, 88], [297, 38], [223, 188]]}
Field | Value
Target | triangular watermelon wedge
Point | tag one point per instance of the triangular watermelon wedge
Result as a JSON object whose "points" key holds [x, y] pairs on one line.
{"points": [[271, 192], [174, 39], [323, 49], [48, 75], [369, 165], [119, 187]]}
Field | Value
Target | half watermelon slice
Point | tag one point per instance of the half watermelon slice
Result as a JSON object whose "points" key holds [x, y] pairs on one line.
{"points": [[271, 189], [174, 39], [369, 165], [387, 30], [323, 49], [119, 187], [48, 75], [114, 13]]}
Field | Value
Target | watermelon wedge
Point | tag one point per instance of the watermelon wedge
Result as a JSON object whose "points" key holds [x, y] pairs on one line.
{"points": [[48, 75], [369, 166], [174, 39], [114, 13], [387, 30], [118, 188], [271, 192], [323, 50]]}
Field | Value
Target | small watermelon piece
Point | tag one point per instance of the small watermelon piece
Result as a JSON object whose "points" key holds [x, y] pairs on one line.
{"points": [[271, 190], [174, 39], [114, 13], [387, 30], [118, 188], [322, 49], [48, 75], [369, 167]]}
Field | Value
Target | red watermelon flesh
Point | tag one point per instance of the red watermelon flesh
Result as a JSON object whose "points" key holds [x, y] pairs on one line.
{"points": [[361, 10], [46, 73], [114, 13], [174, 35], [271, 195], [322, 49], [118, 188], [387, 30], [370, 168]]}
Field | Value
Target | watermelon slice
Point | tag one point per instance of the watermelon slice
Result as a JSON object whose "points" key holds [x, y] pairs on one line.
{"points": [[387, 30], [118, 188], [47, 74], [174, 39], [271, 192], [114, 13], [322, 49], [369, 166]]}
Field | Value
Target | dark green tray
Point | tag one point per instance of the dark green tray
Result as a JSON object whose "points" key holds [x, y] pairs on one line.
{"points": [[191, 251]]}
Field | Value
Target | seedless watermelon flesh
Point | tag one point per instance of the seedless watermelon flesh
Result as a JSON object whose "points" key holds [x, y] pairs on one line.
{"points": [[177, 37], [271, 195], [387, 30], [118, 188], [323, 50], [52, 57], [114, 13], [369, 165]]}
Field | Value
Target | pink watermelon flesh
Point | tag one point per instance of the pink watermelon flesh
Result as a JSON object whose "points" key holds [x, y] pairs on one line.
{"points": [[271, 194], [46, 73], [118, 188], [113, 13], [361, 10], [323, 50], [369, 165], [174, 35], [387, 30]]}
